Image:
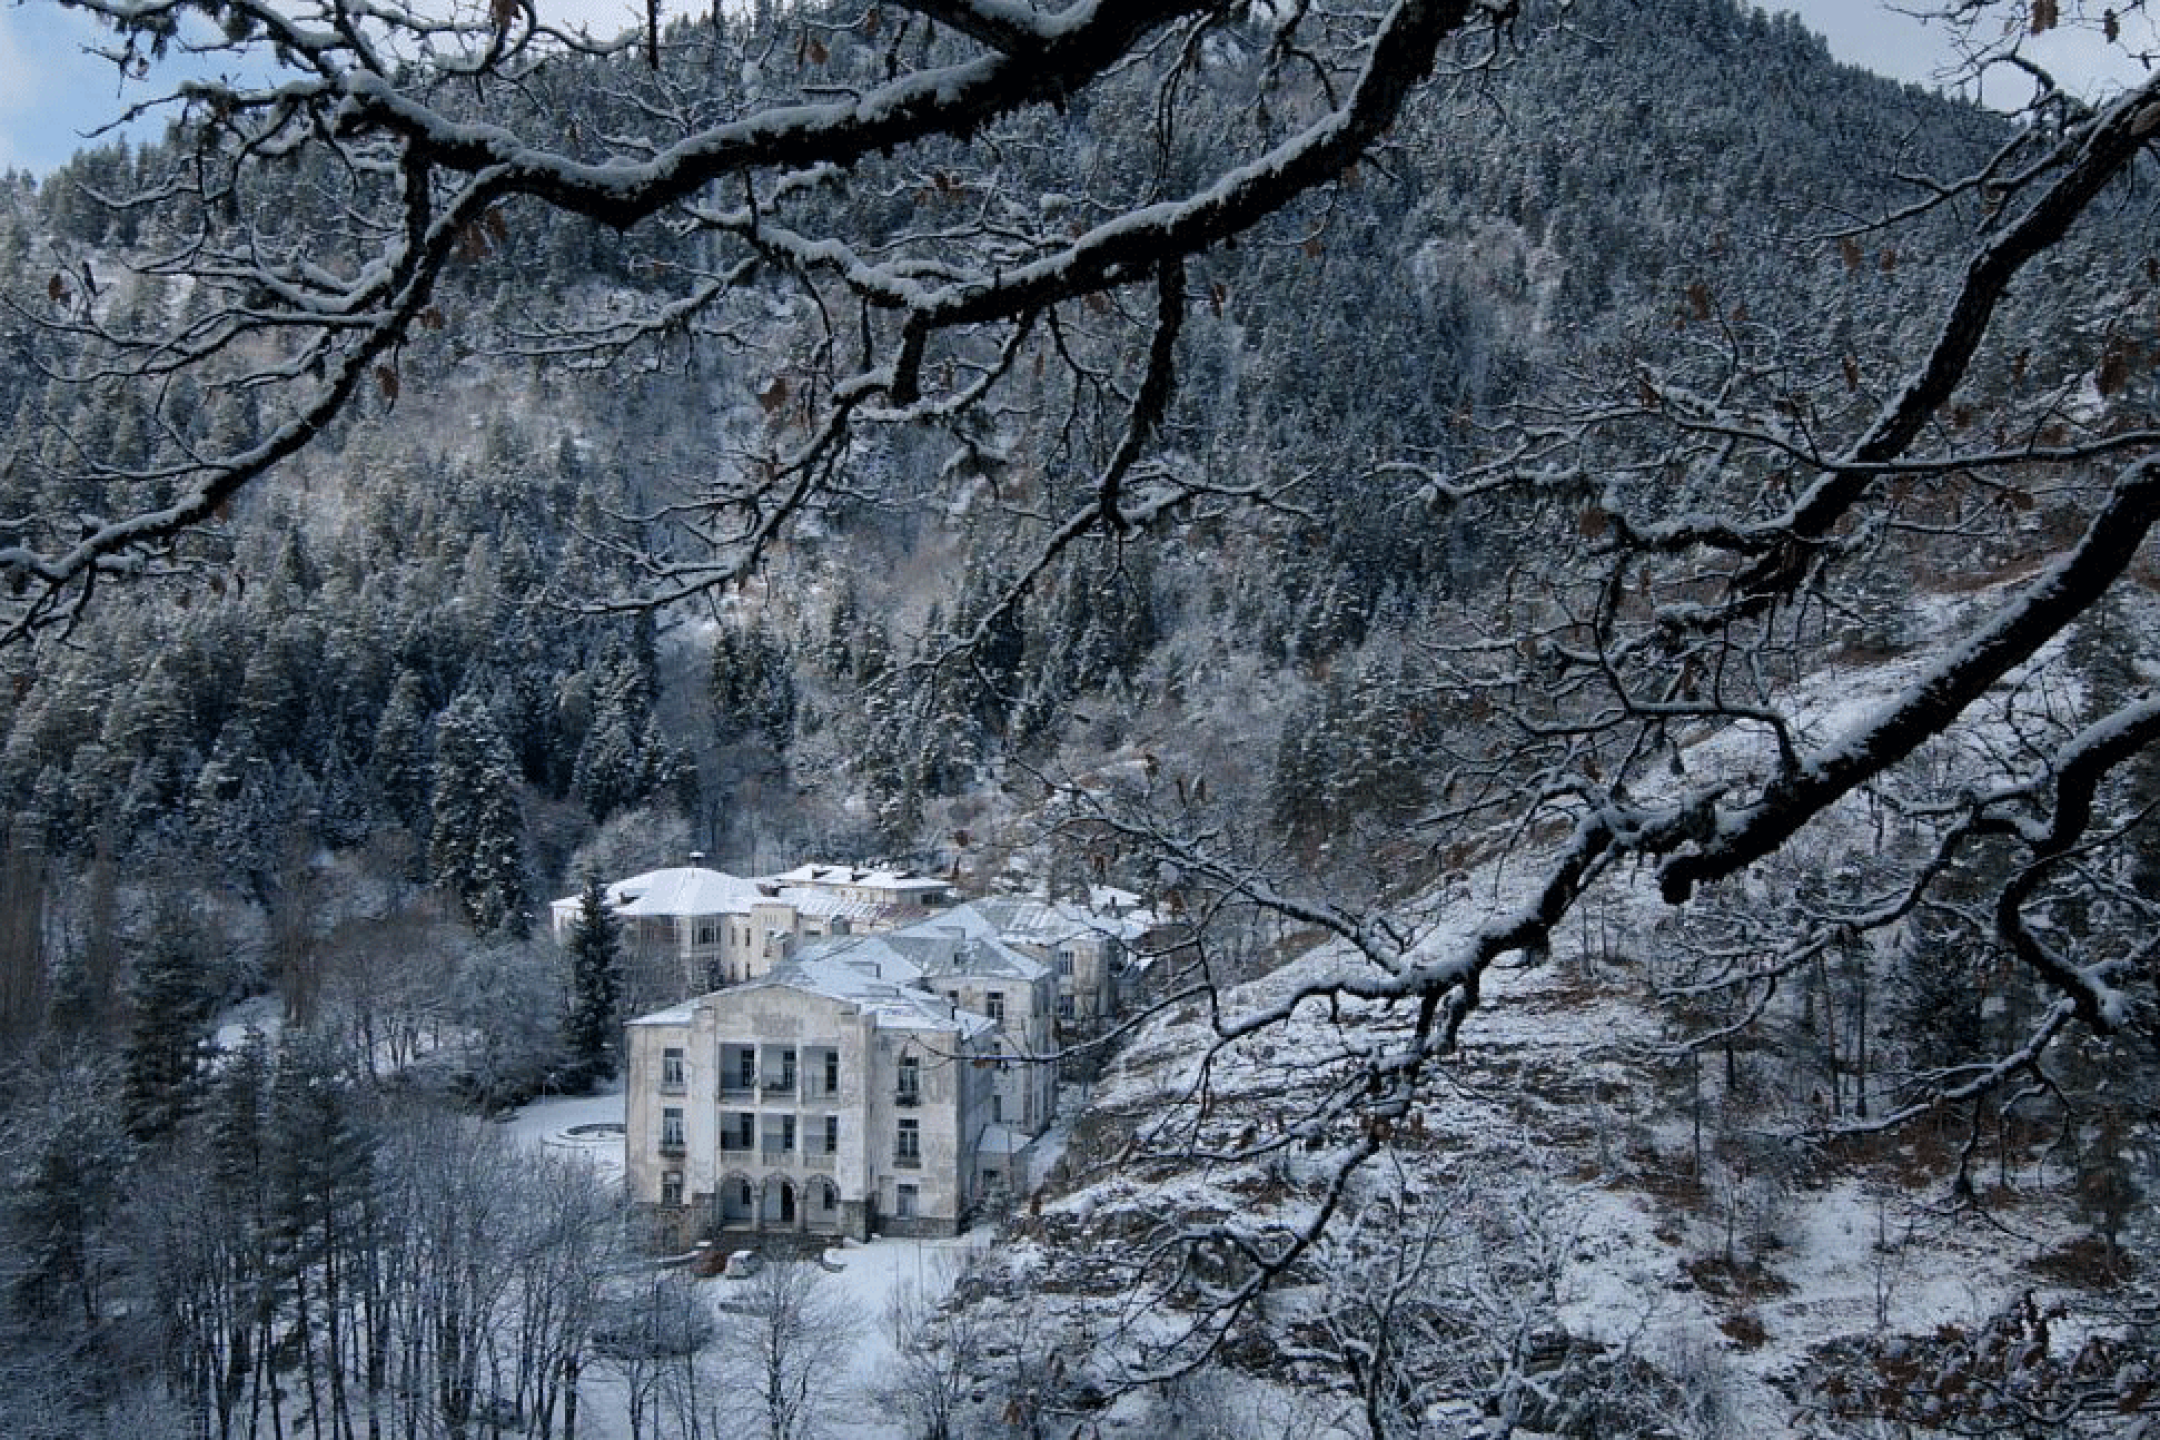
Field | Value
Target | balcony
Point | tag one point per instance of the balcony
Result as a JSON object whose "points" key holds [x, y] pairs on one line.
{"points": [[738, 1071], [819, 1159], [907, 1162], [778, 1069], [909, 1098], [774, 1155], [671, 1146]]}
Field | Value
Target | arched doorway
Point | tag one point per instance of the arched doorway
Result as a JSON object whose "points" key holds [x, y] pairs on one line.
{"points": [[781, 1207], [736, 1202], [822, 1204]]}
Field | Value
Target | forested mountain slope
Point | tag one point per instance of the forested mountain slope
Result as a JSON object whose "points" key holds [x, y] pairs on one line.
{"points": [[1553, 216], [1491, 524]]}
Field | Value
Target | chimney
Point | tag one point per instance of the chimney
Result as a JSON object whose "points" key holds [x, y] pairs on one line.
{"points": [[697, 859]]}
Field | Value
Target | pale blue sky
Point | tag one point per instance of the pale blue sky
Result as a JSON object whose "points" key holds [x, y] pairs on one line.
{"points": [[52, 94], [1887, 39]]}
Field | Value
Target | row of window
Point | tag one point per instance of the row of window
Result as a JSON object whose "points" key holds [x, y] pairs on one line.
{"points": [[824, 1200], [707, 932], [906, 1198], [738, 1133], [741, 1071], [993, 1003], [907, 1087]]}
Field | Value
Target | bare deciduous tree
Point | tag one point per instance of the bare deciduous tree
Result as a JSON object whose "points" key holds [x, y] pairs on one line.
{"points": [[784, 1347], [1447, 1298], [937, 1348]]}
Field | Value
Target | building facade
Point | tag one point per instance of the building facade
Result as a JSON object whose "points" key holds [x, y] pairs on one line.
{"points": [[1084, 951], [701, 929], [819, 1098], [984, 976]]}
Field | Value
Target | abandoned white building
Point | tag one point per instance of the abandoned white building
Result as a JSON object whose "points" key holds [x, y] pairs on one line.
{"points": [[900, 894], [857, 1086], [832, 1079], [704, 928], [1083, 950], [984, 975]]}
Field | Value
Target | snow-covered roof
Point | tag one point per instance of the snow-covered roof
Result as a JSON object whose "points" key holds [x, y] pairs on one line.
{"points": [[1120, 912], [693, 890], [930, 952], [824, 902], [899, 882], [1025, 918], [891, 1004], [1111, 900], [682, 1014], [1000, 1139], [683, 890]]}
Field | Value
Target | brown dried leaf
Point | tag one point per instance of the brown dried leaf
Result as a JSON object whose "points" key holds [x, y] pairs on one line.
{"points": [[1851, 368], [386, 380], [1849, 252], [1698, 299], [775, 395], [2114, 367], [2044, 16]]}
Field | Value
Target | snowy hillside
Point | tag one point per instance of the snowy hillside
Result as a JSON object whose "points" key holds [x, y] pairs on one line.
{"points": [[1596, 1217]]}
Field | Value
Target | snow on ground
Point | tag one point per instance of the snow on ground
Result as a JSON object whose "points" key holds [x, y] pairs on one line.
{"points": [[862, 1277], [868, 1276], [589, 1127], [264, 1014], [1733, 1276]]}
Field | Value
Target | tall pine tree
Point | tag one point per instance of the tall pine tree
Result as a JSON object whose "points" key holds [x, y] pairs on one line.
{"points": [[476, 842], [592, 1028], [170, 1002], [399, 764]]}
